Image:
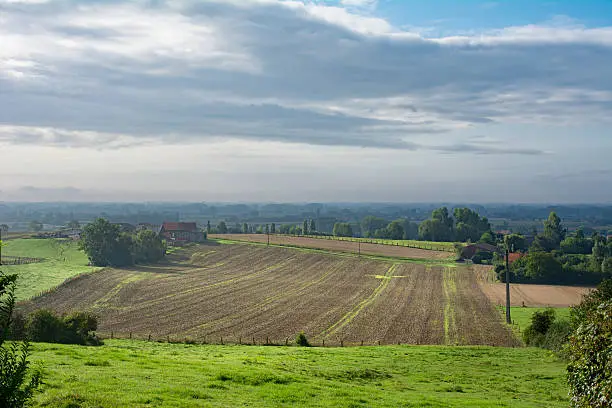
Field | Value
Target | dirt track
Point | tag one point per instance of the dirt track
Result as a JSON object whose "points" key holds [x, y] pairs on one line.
{"points": [[340, 246], [240, 292]]}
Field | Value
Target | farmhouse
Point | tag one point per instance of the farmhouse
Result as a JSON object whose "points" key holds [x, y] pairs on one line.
{"points": [[470, 250], [180, 233]]}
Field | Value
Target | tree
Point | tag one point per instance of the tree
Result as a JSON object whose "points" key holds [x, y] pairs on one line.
{"points": [[17, 380], [395, 230], [222, 228], [208, 227], [487, 238], [245, 228], [35, 226], [342, 229], [4, 228], [370, 224], [542, 267], [148, 247], [105, 245], [273, 228], [554, 231], [438, 228], [515, 242], [267, 229], [589, 372], [470, 226], [74, 224], [305, 227], [313, 226]]}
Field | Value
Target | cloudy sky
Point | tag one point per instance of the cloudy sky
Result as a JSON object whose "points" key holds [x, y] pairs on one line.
{"points": [[271, 100]]}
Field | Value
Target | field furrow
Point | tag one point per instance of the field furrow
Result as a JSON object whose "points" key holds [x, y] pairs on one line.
{"points": [[241, 292]]}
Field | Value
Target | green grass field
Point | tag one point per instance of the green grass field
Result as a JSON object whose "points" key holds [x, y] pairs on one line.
{"points": [[521, 316], [62, 260], [141, 374]]}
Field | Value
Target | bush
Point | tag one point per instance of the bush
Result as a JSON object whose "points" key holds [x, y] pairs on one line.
{"points": [[44, 326], [590, 367], [77, 328], [590, 302], [557, 335], [482, 257], [535, 334], [301, 340]]}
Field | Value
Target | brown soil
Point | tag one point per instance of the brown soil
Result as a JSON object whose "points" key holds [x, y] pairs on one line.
{"points": [[535, 295], [245, 292]]}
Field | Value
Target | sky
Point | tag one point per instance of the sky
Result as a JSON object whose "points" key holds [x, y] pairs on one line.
{"points": [[287, 101]]}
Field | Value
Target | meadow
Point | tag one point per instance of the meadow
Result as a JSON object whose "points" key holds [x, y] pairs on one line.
{"points": [[148, 374], [61, 260]]}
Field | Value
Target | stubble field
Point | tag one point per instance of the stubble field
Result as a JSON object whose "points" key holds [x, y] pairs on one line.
{"points": [[340, 246], [245, 293]]}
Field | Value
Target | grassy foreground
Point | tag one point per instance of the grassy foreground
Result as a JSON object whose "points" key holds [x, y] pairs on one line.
{"points": [[61, 260], [142, 374]]}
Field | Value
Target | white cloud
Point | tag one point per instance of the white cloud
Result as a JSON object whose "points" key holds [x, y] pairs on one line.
{"points": [[111, 74]]}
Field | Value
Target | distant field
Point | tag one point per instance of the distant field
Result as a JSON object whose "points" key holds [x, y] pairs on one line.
{"points": [[411, 243], [340, 246], [144, 374], [240, 293], [61, 260], [535, 295]]}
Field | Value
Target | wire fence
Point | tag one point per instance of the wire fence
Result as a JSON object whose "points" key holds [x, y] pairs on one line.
{"points": [[428, 245], [237, 340], [19, 260]]}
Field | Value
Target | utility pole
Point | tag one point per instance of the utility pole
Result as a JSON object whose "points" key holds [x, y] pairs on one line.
{"points": [[359, 248], [268, 238], [508, 319]]}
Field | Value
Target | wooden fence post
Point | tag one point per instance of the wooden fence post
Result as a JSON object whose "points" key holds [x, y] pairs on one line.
{"points": [[112, 334]]}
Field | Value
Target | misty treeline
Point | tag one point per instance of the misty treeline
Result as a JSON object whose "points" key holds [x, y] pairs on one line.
{"points": [[521, 218], [106, 245]]}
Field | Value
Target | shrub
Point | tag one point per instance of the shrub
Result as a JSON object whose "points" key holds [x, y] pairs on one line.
{"points": [[590, 302], [44, 326], [535, 334], [557, 335], [78, 328], [590, 367], [17, 379], [301, 340]]}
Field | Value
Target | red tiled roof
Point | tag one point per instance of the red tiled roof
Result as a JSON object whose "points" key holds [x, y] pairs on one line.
{"points": [[180, 226], [514, 256]]}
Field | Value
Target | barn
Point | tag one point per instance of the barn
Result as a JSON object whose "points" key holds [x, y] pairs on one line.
{"points": [[180, 233]]}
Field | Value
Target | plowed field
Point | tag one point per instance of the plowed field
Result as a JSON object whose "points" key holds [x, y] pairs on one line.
{"points": [[245, 292], [341, 246], [535, 295]]}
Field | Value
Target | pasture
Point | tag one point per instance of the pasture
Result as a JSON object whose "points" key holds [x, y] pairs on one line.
{"points": [[336, 245], [144, 374], [240, 293], [59, 260]]}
